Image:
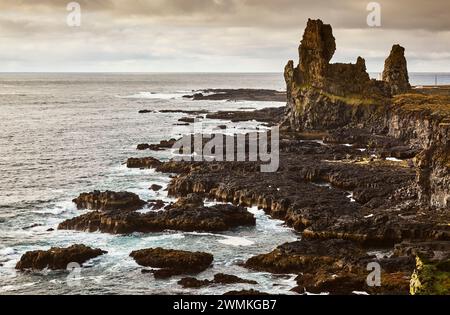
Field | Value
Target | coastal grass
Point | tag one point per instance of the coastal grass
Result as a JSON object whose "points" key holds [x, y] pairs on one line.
{"points": [[434, 105]]}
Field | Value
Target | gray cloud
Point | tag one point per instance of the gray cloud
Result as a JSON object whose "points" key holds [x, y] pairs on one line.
{"points": [[244, 35]]}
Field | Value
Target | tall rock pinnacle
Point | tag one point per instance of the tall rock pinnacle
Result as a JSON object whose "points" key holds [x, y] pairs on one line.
{"points": [[316, 50], [396, 71]]}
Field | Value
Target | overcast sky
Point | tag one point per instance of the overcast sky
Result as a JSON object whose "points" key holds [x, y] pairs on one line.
{"points": [[213, 35]]}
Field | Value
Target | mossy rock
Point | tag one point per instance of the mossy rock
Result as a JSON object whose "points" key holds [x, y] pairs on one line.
{"points": [[430, 278]]}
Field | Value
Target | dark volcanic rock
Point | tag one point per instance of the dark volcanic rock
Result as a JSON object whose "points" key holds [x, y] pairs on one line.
{"points": [[272, 116], [396, 71], [109, 200], [189, 120], [147, 162], [156, 187], [306, 257], [143, 146], [210, 219], [246, 293], [230, 279], [156, 204], [163, 145], [57, 258], [333, 266], [172, 262], [192, 283], [219, 278], [240, 95], [189, 202]]}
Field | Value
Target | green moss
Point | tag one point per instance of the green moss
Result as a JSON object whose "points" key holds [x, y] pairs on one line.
{"points": [[352, 99], [430, 278]]}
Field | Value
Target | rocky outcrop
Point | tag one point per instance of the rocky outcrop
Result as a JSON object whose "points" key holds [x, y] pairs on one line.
{"points": [[432, 273], [270, 116], [57, 258], [396, 71], [143, 163], [326, 96], [162, 145], [172, 262], [109, 200], [334, 266], [156, 187], [181, 217], [222, 279], [259, 95], [423, 121]]}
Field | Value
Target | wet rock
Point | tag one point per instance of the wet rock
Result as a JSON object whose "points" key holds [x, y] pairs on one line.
{"points": [[57, 258], [246, 293], [164, 144], [272, 116], [188, 120], [396, 71], [306, 257], [32, 226], [183, 111], [109, 200], [50, 230], [261, 95], [347, 283], [222, 279], [172, 262], [208, 219], [143, 146], [231, 279], [156, 204], [143, 163], [156, 187], [192, 283], [189, 202]]}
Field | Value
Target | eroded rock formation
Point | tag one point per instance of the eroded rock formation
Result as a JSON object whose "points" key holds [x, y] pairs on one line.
{"points": [[188, 214], [109, 200], [396, 71], [57, 258], [172, 262]]}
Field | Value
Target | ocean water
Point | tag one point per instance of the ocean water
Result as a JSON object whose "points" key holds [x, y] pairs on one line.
{"points": [[64, 134]]}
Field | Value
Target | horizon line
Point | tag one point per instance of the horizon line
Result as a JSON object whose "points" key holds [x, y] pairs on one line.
{"points": [[181, 72]]}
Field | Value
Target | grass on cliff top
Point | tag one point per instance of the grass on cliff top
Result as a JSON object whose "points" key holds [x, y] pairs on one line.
{"points": [[355, 100], [432, 103]]}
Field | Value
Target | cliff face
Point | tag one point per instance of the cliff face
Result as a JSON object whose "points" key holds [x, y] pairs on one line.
{"points": [[324, 96], [422, 121]]}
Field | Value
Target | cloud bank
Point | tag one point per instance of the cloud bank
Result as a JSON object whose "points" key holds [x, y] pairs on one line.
{"points": [[213, 35]]}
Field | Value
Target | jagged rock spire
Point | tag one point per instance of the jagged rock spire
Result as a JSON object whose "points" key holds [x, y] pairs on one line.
{"points": [[316, 50], [396, 71]]}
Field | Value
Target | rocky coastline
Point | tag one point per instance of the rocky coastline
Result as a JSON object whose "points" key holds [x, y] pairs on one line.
{"points": [[364, 169]]}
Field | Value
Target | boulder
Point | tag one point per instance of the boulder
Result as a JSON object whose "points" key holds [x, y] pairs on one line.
{"points": [[57, 258], [156, 187], [109, 200], [219, 278], [172, 262], [143, 163]]}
